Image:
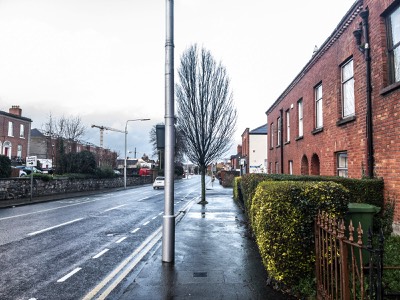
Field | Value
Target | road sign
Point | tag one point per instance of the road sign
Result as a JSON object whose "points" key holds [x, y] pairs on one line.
{"points": [[31, 161]]}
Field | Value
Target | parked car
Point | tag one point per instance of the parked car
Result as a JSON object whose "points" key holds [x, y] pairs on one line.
{"points": [[19, 171], [28, 170], [117, 172], [159, 182], [144, 172]]}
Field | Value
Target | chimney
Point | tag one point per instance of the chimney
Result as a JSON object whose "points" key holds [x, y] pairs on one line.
{"points": [[15, 110]]}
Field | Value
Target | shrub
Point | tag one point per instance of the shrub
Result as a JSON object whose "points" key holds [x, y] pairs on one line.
{"points": [[282, 216], [5, 166], [237, 194], [391, 278], [105, 172]]}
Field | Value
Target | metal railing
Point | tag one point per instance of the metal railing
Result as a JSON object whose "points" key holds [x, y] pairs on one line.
{"points": [[345, 267]]}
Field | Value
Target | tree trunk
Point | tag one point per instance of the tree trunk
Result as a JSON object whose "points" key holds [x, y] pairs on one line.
{"points": [[203, 186]]}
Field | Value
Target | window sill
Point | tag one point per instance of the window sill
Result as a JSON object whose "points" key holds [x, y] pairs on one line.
{"points": [[299, 138], [272, 148], [287, 143], [317, 130], [278, 146], [346, 120], [390, 88]]}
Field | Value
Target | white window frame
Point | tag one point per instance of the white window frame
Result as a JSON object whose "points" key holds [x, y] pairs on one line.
{"points": [[287, 126], [10, 129], [342, 164], [300, 114], [348, 102], [22, 131], [319, 120], [19, 151], [393, 30], [272, 135], [278, 138]]}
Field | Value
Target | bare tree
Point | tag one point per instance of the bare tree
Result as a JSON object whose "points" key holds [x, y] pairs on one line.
{"points": [[69, 128], [206, 114]]}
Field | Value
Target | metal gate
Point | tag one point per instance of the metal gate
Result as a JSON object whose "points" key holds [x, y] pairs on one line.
{"points": [[345, 268]]}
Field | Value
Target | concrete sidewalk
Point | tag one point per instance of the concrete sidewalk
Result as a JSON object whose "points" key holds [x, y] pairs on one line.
{"points": [[214, 258]]}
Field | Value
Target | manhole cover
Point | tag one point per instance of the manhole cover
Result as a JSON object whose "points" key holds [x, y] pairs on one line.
{"points": [[200, 274]]}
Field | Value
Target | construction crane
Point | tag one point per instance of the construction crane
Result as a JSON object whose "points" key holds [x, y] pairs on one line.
{"points": [[102, 128]]}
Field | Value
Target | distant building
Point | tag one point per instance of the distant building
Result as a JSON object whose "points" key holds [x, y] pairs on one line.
{"points": [[14, 134], [258, 150], [45, 146], [254, 150]]}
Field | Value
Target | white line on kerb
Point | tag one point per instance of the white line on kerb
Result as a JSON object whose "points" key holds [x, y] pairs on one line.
{"points": [[115, 207], [135, 230], [69, 275], [120, 240], [144, 224], [100, 253], [50, 228]]}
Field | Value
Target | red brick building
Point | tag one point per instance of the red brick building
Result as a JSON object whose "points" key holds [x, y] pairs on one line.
{"points": [[14, 134], [341, 114]]}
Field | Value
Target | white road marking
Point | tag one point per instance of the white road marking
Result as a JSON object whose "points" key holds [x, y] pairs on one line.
{"points": [[40, 211], [143, 199], [116, 207], [100, 253], [135, 230], [129, 263], [120, 240], [154, 217], [69, 275], [160, 213], [146, 223], [50, 228]]}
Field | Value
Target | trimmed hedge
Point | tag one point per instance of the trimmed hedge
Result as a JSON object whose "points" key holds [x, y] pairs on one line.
{"points": [[5, 167], [282, 216], [237, 193], [361, 190]]}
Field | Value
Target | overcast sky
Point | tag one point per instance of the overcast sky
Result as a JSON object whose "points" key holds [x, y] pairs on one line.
{"points": [[104, 60]]}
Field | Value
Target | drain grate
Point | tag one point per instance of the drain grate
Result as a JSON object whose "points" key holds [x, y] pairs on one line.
{"points": [[199, 274]]}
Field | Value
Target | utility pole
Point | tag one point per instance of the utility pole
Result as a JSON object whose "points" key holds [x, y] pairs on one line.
{"points": [[168, 237]]}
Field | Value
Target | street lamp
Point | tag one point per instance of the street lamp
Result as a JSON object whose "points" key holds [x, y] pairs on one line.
{"points": [[126, 134]]}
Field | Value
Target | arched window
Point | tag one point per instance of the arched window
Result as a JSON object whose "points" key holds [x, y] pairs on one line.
{"points": [[315, 165], [304, 165]]}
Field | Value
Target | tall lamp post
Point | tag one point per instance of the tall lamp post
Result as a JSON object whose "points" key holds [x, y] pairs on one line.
{"points": [[126, 134]]}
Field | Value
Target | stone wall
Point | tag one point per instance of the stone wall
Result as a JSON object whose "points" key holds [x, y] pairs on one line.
{"points": [[16, 188]]}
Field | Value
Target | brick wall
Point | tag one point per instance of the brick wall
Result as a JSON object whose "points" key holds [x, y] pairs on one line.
{"points": [[337, 135]]}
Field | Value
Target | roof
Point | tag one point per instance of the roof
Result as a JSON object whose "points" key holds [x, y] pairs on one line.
{"points": [[35, 132], [14, 116], [340, 28], [263, 129]]}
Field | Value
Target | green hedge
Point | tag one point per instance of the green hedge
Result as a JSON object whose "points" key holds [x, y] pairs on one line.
{"points": [[361, 190], [282, 216], [5, 166], [237, 193]]}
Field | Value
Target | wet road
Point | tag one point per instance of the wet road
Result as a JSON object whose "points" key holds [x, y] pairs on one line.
{"points": [[65, 249]]}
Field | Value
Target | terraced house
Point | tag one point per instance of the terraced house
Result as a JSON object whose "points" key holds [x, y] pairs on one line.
{"points": [[14, 134], [341, 114]]}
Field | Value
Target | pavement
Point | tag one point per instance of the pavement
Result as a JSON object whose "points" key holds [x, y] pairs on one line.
{"points": [[215, 258]]}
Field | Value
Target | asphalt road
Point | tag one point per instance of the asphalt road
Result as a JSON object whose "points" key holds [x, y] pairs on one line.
{"points": [[75, 248]]}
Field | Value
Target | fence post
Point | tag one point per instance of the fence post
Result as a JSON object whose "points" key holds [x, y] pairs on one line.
{"points": [[345, 291]]}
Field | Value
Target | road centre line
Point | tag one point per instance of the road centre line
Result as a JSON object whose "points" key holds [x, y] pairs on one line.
{"points": [[144, 224], [100, 253], [56, 226], [160, 213], [135, 230], [69, 275], [153, 218], [116, 207], [120, 240]]}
